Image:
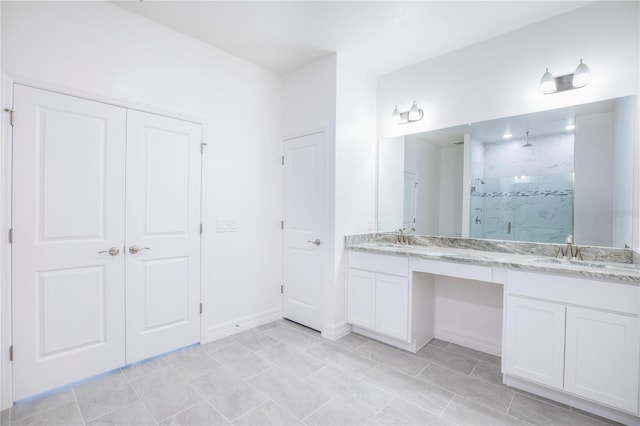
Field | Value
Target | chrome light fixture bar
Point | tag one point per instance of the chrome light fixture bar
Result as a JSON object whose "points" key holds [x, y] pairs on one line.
{"points": [[580, 78], [414, 114]]}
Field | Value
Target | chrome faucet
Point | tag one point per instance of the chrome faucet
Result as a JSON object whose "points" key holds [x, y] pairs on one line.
{"points": [[569, 252], [403, 238]]}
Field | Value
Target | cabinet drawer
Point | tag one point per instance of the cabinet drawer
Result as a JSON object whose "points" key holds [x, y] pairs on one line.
{"points": [[459, 270], [393, 265], [576, 291]]}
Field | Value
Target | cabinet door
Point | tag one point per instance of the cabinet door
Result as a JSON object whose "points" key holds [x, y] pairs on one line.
{"points": [[361, 298], [602, 352], [535, 340], [392, 305]]}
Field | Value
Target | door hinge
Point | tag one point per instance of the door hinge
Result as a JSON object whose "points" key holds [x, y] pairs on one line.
{"points": [[202, 145], [10, 235], [283, 160], [282, 224], [282, 289], [10, 111], [201, 227], [201, 308], [11, 353]]}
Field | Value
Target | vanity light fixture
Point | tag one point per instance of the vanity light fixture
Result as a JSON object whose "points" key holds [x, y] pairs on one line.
{"points": [[580, 78], [570, 127], [414, 114], [507, 135]]}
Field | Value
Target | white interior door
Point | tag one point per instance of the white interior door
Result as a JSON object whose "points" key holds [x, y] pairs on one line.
{"points": [[304, 229], [68, 212], [163, 222]]}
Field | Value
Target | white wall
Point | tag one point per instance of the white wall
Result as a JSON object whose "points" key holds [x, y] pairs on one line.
{"points": [[309, 100], [593, 182], [469, 312], [499, 77], [102, 51], [355, 171]]}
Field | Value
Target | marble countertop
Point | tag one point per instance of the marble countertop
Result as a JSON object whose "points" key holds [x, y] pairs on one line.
{"points": [[628, 272]]}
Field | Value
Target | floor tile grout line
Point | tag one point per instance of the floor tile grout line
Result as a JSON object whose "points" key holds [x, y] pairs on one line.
{"points": [[314, 411], [513, 397], [422, 371], [203, 399], [269, 399], [138, 395]]}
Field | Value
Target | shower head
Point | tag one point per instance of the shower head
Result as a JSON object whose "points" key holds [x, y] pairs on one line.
{"points": [[526, 143]]}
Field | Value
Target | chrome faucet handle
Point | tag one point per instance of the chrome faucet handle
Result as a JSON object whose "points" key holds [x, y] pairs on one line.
{"points": [[578, 254]]}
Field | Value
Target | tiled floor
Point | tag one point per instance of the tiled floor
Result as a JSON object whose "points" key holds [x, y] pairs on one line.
{"points": [[284, 374]]}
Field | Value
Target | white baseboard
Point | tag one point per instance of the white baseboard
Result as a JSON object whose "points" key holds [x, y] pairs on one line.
{"points": [[335, 331], [473, 341], [581, 404], [409, 347], [237, 325]]}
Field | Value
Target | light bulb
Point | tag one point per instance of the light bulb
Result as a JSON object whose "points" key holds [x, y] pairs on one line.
{"points": [[414, 112], [396, 114], [548, 83], [582, 76]]}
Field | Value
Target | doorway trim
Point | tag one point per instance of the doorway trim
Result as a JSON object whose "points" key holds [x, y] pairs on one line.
{"points": [[6, 191]]}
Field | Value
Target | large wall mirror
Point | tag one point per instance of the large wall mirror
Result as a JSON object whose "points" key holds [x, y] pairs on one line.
{"points": [[537, 177]]}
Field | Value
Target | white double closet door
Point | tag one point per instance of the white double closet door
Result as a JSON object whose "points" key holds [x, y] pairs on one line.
{"points": [[106, 237]]}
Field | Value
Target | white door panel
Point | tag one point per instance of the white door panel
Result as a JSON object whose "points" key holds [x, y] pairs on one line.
{"points": [[163, 220], [68, 299], [304, 229]]}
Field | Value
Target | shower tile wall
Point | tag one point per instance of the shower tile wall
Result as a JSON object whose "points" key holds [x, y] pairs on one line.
{"points": [[523, 194]]}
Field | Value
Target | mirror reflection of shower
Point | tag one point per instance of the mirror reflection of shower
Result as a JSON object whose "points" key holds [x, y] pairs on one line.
{"points": [[519, 194]]}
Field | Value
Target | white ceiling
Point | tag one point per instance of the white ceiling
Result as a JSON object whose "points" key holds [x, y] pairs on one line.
{"points": [[381, 36]]}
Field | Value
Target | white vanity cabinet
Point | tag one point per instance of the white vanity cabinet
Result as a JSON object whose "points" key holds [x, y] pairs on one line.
{"points": [[378, 294], [579, 336]]}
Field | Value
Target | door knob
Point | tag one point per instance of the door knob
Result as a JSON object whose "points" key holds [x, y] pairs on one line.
{"points": [[136, 249], [316, 241], [113, 251]]}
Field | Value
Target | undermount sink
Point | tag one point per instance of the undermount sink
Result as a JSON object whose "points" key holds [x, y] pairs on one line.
{"points": [[583, 263]]}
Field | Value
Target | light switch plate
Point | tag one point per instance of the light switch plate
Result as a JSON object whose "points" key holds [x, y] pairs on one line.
{"points": [[226, 226]]}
